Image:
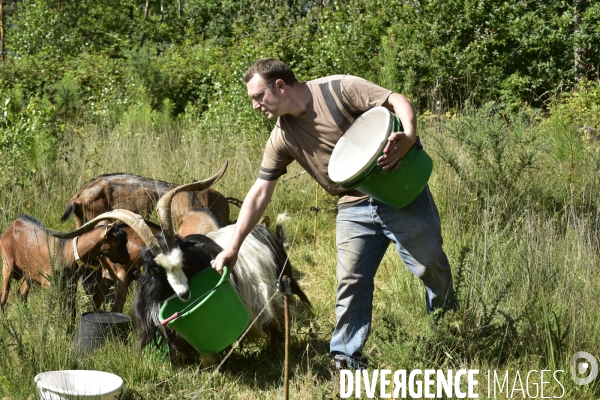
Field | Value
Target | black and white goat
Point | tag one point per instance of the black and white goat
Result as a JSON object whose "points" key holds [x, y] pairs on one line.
{"points": [[170, 260]]}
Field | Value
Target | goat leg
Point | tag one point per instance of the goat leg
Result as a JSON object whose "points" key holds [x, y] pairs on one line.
{"points": [[7, 272], [24, 289], [121, 287]]}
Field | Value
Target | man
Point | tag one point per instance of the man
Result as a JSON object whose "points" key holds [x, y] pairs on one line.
{"points": [[311, 117]]}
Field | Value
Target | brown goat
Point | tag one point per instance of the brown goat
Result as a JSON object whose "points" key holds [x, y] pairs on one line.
{"points": [[121, 274], [139, 195], [199, 221], [30, 251]]}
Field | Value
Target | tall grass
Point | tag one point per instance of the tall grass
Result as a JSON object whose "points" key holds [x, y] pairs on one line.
{"points": [[523, 246]]}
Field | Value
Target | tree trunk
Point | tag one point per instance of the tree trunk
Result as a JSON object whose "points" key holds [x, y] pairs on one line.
{"points": [[2, 30], [579, 52], [146, 11]]}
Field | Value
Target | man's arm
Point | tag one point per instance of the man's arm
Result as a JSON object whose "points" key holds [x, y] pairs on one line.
{"points": [[254, 206], [399, 143]]}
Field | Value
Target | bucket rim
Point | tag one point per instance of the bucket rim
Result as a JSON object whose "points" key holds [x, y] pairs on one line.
{"points": [[126, 318], [195, 303], [69, 392], [393, 125]]}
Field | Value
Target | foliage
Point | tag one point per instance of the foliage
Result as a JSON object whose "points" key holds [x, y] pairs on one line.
{"points": [[492, 153], [181, 76], [581, 107], [512, 51], [32, 74], [573, 157], [66, 96], [345, 37], [66, 29], [104, 87], [29, 139], [440, 53]]}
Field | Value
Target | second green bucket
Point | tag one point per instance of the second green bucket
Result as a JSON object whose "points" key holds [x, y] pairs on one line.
{"points": [[353, 163], [213, 318]]}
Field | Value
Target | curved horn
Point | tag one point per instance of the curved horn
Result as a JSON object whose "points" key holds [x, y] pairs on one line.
{"points": [[163, 207], [135, 221]]}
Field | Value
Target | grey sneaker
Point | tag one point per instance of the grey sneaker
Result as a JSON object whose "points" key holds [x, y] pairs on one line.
{"points": [[351, 363]]}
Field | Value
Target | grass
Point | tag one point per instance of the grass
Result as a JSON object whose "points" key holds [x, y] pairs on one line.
{"points": [[526, 272]]}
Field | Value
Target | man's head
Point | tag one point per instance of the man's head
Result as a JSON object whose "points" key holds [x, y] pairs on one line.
{"points": [[269, 84]]}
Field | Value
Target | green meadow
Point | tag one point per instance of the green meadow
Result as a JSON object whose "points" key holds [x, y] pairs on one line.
{"points": [[518, 198]]}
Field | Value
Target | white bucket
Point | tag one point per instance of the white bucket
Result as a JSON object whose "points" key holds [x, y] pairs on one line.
{"points": [[78, 384]]}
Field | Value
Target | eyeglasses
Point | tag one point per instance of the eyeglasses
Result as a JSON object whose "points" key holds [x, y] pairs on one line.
{"points": [[258, 96]]}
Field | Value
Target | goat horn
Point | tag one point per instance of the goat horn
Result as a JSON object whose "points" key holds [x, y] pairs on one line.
{"points": [[163, 207], [135, 221]]}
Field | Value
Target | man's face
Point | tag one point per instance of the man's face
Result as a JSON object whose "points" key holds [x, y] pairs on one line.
{"points": [[265, 96]]}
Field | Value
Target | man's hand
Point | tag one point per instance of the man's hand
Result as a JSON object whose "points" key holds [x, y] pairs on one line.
{"points": [[225, 258], [399, 143]]}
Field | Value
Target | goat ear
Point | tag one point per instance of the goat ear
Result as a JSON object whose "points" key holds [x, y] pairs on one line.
{"points": [[186, 243]]}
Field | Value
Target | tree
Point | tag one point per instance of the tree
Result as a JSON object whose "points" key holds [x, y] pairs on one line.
{"points": [[514, 50]]}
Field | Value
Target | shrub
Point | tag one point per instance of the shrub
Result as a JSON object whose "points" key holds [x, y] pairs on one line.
{"points": [[29, 139], [493, 154]]}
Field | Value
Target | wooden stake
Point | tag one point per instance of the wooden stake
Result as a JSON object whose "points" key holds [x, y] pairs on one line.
{"points": [[285, 282], [316, 211], [286, 387]]}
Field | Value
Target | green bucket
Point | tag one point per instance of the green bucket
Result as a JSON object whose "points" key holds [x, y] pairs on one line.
{"points": [[213, 318], [353, 163]]}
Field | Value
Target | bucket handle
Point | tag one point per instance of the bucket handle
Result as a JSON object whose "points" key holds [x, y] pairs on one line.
{"points": [[177, 314], [171, 318]]}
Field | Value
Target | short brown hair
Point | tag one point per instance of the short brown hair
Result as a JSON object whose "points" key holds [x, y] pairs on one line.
{"points": [[271, 69]]}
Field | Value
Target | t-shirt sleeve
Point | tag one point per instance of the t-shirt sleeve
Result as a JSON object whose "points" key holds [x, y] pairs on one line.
{"points": [[276, 157], [362, 95]]}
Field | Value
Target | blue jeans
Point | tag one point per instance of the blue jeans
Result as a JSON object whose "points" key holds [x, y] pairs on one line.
{"points": [[363, 233]]}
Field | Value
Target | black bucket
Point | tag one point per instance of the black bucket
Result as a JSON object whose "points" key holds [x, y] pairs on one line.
{"points": [[96, 327]]}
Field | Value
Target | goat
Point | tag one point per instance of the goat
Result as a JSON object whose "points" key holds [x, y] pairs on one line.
{"points": [[30, 251], [169, 260], [121, 274], [139, 194], [199, 221]]}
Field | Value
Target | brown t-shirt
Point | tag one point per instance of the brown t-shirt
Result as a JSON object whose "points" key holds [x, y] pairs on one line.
{"points": [[309, 139]]}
